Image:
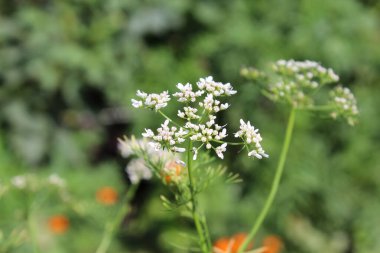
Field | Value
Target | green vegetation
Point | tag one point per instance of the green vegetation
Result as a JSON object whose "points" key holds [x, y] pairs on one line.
{"points": [[68, 71]]}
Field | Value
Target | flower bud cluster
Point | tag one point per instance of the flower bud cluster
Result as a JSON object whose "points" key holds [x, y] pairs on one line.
{"points": [[152, 101], [344, 104], [200, 129], [294, 81], [308, 73], [252, 138]]}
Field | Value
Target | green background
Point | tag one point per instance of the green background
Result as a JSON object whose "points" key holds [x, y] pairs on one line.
{"points": [[68, 70]]}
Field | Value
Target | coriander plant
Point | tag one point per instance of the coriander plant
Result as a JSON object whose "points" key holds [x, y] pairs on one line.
{"points": [[178, 151]]}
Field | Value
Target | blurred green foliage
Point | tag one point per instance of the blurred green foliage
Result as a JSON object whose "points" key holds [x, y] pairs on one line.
{"points": [[69, 68]]}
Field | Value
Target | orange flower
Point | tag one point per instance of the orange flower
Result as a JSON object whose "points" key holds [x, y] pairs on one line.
{"points": [[272, 244], [58, 224], [222, 244], [172, 171], [107, 195], [232, 244]]}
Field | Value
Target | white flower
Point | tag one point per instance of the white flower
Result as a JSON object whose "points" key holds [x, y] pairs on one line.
{"points": [[186, 93], [215, 88], [189, 113], [56, 180], [148, 133], [19, 181], [138, 171], [219, 150], [153, 101], [250, 135], [167, 137], [195, 151], [133, 146], [136, 103], [212, 105]]}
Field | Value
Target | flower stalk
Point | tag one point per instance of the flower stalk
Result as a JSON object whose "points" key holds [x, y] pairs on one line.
{"points": [[111, 226], [275, 184], [199, 225]]}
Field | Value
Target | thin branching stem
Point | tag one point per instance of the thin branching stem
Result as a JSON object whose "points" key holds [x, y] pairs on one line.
{"points": [[199, 225], [111, 226], [275, 184], [168, 118], [31, 225]]}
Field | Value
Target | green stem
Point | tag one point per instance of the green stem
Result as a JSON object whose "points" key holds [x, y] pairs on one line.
{"points": [[112, 225], [201, 228], [168, 118], [275, 183], [31, 227]]}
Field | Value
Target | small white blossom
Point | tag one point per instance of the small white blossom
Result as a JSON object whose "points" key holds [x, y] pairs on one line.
{"points": [[136, 103], [133, 146], [188, 113], [212, 105], [167, 137], [250, 135], [186, 93], [195, 151], [138, 171], [153, 101], [19, 181], [56, 180], [215, 88], [219, 150]]}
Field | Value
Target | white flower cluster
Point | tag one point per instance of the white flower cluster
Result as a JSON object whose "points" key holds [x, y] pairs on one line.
{"points": [[137, 171], [344, 104], [167, 137], [19, 181], [188, 113], [215, 88], [212, 105], [186, 93], [153, 101], [250, 136], [56, 180], [207, 133], [201, 129], [137, 168]]}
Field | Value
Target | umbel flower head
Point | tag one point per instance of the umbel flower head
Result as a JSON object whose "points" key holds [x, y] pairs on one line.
{"points": [[145, 158], [297, 82], [197, 124]]}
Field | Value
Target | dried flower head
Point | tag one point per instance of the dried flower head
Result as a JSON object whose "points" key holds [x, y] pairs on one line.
{"points": [[173, 172]]}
